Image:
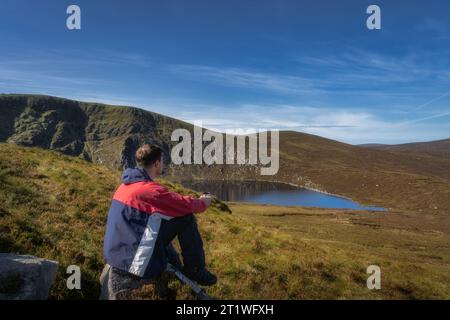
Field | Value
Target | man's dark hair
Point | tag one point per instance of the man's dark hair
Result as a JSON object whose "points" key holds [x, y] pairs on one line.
{"points": [[147, 155]]}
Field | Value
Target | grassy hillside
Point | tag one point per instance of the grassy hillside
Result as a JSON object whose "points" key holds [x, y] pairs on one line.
{"points": [[412, 251], [55, 206]]}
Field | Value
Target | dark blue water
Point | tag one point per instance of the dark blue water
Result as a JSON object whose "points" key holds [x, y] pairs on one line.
{"points": [[274, 193]]}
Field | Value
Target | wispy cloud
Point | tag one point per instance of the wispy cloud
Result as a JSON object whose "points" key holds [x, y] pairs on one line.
{"points": [[361, 68], [430, 117], [282, 117], [238, 77], [43, 80], [342, 124], [353, 72], [432, 101], [96, 57], [61, 72]]}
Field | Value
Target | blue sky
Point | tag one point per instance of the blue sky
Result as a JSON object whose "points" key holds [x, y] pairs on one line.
{"points": [[309, 66]]}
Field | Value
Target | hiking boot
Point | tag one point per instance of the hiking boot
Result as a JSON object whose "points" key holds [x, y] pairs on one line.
{"points": [[201, 276]]}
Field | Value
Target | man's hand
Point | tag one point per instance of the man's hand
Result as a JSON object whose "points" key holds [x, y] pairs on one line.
{"points": [[206, 199]]}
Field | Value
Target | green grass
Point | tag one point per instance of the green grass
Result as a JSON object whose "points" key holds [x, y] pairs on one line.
{"points": [[54, 206], [412, 251]]}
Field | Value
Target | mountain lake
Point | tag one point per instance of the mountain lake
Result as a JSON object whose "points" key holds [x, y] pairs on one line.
{"points": [[275, 193]]}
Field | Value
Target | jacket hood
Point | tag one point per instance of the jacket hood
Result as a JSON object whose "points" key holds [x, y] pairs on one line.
{"points": [[133, 175]]}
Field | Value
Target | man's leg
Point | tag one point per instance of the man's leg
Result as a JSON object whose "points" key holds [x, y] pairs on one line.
{"points": [[186, 229]]}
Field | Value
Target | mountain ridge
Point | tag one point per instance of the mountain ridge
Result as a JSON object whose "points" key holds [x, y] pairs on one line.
{"points": [[439, 148]]}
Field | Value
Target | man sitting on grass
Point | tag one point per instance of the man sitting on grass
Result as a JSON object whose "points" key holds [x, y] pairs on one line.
{"points": [[143, 220]]}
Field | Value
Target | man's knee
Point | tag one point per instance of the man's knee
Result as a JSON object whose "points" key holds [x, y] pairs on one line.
{"points": [[187, 219]]}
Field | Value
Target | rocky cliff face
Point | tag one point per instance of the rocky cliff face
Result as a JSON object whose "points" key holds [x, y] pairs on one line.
{"points": [[99, 133]]}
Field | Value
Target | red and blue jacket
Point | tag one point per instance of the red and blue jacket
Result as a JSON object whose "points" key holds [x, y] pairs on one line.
{"points": [[132, 241]]}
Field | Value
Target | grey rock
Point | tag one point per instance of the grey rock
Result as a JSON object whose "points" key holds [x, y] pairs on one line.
{"points": [[25, 277]]}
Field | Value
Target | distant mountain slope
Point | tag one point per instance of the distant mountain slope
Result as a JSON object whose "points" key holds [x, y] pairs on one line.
{"points": [[110, 135], [438, 148]]}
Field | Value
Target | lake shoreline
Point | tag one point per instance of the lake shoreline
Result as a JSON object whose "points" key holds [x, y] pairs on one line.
{"points": [[297, 186]]}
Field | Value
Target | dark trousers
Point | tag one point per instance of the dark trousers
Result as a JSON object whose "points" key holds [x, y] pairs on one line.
{"points": [[186, 230]]}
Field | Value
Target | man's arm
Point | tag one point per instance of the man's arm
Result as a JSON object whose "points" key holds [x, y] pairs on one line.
{"points": [[174, 204]]}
